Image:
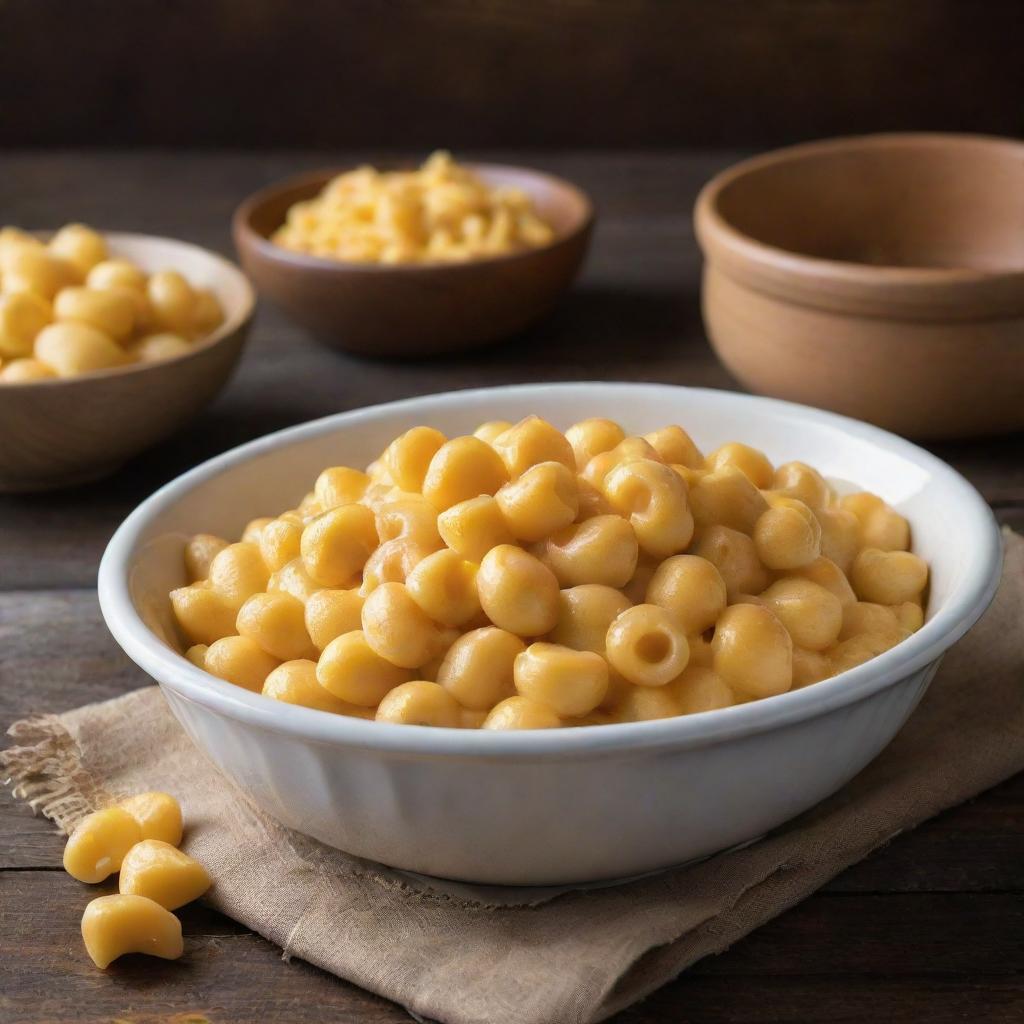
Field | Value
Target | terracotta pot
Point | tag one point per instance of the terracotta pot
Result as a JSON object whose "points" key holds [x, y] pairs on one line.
{"points": [[415, 309], [880, 276]]}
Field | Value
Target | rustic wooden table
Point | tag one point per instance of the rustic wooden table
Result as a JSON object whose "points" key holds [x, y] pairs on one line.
{"points": [[928, 928]]}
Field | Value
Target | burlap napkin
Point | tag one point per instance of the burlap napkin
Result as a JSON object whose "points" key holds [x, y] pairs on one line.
{"points": [[464, 955]]}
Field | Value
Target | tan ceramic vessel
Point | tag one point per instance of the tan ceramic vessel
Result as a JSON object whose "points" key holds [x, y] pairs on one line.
{"points": [[415, 309], [880, 276], [62, 432]]}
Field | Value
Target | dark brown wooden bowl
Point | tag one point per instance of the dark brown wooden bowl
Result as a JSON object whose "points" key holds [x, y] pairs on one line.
{"points": [[415, 309]]}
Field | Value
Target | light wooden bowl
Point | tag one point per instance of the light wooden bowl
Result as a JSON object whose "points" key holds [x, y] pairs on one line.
{"points": [[880, 276], [423, 308], [57, 433]]}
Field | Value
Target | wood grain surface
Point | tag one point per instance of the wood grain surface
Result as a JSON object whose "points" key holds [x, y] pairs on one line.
{"points": [[927, 929], [503, 72]]}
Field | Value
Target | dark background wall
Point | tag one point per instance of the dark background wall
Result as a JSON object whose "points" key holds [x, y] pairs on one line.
{"points": [[419, 73]]}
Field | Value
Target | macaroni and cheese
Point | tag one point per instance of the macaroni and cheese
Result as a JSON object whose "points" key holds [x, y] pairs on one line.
{"points": [[67, 308], [441, 212], [138, 838], [522, 578]]}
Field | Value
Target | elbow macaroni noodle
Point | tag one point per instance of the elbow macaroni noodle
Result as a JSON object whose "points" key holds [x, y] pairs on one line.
{"points": [[439, 213], [68, 308], [521, 578], [138, 838]]}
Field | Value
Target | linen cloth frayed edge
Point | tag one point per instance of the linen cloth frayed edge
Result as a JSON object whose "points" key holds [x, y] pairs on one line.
{"points": [[46, 772]]}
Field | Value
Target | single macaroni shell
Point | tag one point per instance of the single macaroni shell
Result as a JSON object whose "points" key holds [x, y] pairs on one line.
{"points": [[653, 498], [530, 442], [238, 572], [162, 873], [119, 924], [584, 615], [420, 702], [158, 815], [444, 585], [408, 457], [691, 588], [462, 468], [110, 310], [82, 247], [329, 613], [749, 461], [646, 703], [295, 682], [798, 480], [73, 348], [340, 485], [336, 545], [676, 447], [592, 437], [601, 550], [647, 646], [699, 689], [22, 316], [726, 497], [543, 499], [478, 668], [23, 371], [753, 653], [571, 683], [735, 556], [888, 577], [199, 554], [97, 846], [397, 628], [474, 527], [812, 615], [517, 591], [116, 274], [354, 672], [240, 660], [787, 535], [521, 713], [881, 527], [276, 622]]}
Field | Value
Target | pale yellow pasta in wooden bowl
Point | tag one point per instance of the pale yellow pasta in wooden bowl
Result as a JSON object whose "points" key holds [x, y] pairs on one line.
{"points": [[440, 212], [109, 343], [68, 307]]}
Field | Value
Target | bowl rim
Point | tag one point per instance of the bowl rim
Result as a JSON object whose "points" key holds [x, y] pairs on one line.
{"points": [[245, 233], [173, 670], [231, 325], [717, 235]]}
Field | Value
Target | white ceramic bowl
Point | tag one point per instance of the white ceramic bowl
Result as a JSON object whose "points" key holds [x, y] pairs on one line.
{"points": [[65, 431], [558, 806]]}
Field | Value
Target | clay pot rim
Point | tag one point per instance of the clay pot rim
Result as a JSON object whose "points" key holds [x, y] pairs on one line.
{"points": [[247, 235], [913, 293]]}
